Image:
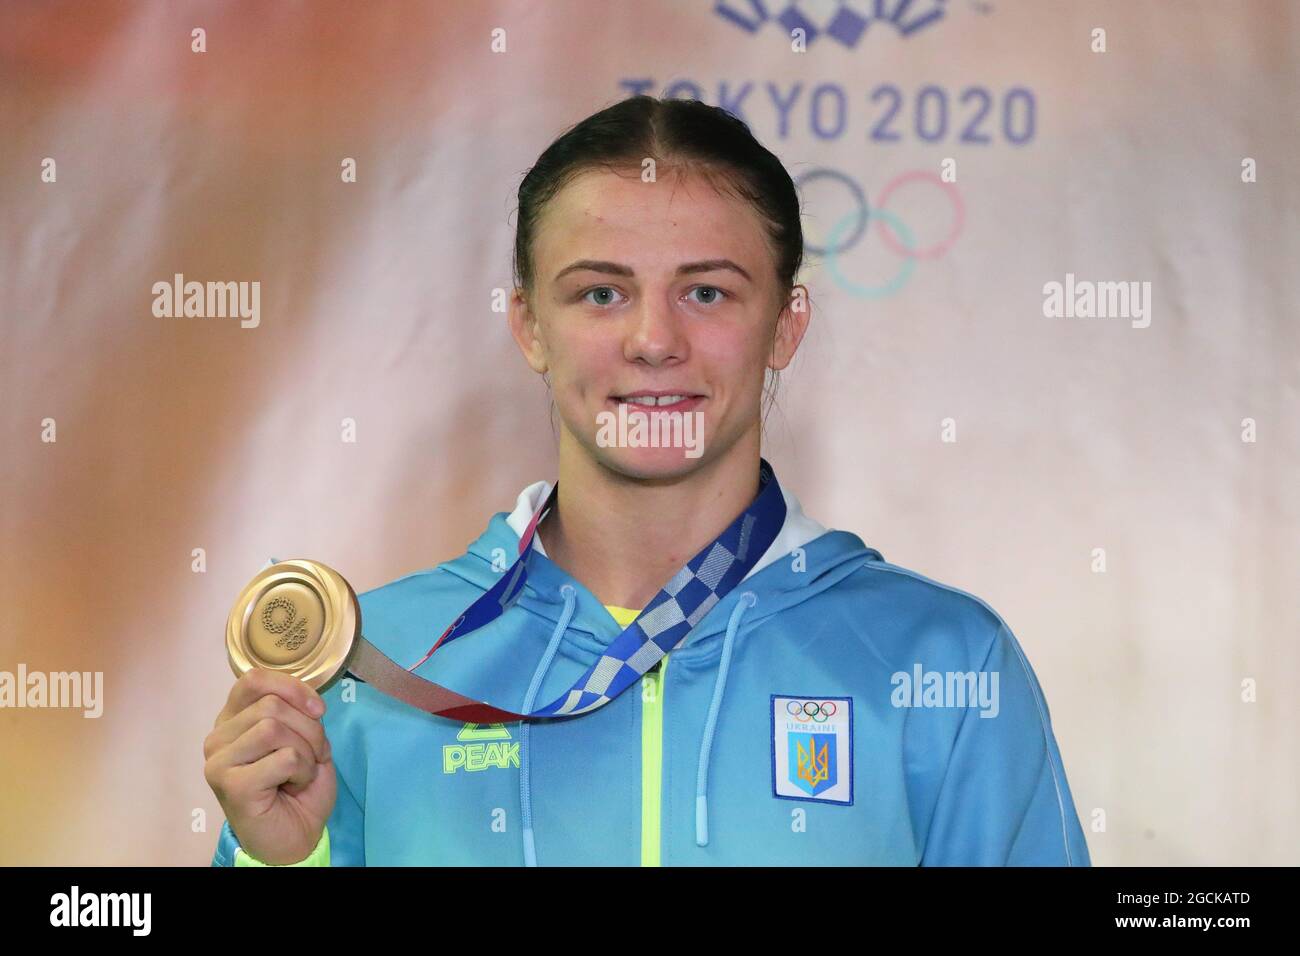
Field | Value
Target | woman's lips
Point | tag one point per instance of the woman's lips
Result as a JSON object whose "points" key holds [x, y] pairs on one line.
{"points": [[685, 405]]}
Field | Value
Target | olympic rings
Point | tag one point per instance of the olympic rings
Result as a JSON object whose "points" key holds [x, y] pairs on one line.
{"points": [[811, 710], [890, 287], [959, 214], [890, 224], [858, 195]]}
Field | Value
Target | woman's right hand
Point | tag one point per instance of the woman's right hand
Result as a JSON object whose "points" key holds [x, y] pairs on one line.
{"points": [[269, 764]]}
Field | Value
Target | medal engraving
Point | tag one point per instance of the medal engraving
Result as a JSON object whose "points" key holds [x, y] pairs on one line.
{"points": [[299, 617]]}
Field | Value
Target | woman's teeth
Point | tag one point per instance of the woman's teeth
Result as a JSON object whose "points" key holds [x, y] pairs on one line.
{"points": [[652, 400]]}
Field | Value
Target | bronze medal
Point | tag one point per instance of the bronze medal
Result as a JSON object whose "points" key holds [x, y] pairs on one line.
{"points": [[300, 617]]}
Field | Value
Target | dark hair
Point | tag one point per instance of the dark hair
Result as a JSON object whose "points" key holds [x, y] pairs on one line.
{"points": [[672, 132]]}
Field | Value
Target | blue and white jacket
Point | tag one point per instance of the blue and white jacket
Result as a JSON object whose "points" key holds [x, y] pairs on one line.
{"points": [[833, 709]]}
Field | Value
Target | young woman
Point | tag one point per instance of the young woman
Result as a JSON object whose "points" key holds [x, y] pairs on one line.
{"points": [[711, 676]]}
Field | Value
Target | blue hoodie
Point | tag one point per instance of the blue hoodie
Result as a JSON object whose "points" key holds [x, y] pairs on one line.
{"points": [[832, 709]]}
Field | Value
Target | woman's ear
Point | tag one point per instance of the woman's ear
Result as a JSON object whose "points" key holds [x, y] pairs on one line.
{"points": [[791, 324], [526, 330]]}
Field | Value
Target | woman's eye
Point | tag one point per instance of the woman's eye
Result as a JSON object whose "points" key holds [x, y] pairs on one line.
{"points": [[607, 293], [714, 294]]}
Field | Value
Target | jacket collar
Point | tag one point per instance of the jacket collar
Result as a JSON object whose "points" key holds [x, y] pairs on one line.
{"points": [[797, 530]]}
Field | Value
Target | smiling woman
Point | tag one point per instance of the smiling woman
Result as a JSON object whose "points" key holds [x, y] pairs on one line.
{"points": [[655, 259], [657, 248]]}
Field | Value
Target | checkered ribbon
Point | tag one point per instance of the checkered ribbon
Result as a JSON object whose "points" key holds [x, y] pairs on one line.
{"points": [[663, 624]]}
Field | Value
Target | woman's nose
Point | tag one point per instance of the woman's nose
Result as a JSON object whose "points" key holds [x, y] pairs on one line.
{"points": [[655, 335]]}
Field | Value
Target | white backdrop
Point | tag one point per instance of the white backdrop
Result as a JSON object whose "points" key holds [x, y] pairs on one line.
{"points": [[1071, 434]]}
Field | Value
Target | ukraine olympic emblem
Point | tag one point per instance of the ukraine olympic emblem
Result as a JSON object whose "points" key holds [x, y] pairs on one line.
{"points": [[812, 748]]}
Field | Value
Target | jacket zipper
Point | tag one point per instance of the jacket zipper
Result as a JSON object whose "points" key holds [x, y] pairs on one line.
{"points": [[652, 761]]}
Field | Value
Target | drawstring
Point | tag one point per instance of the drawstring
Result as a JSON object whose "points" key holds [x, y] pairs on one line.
{"points": [[525, 794], [747, 600]]}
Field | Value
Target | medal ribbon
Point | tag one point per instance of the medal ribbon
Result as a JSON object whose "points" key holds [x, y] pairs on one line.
{"points": [[660, 627]]}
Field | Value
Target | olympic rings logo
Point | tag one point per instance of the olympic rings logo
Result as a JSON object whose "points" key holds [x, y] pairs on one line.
{"points": [[896, 236], [810, 710]]}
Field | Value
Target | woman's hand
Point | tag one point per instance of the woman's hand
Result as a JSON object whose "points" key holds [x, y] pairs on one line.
{"points": [[269, 764]]}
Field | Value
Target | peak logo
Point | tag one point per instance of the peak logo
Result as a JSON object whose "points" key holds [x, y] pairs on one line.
{"points": [[489, 746], [844, 21]]}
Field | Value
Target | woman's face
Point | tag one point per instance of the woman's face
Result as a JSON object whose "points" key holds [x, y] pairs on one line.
{"points": [[655, 289]]}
